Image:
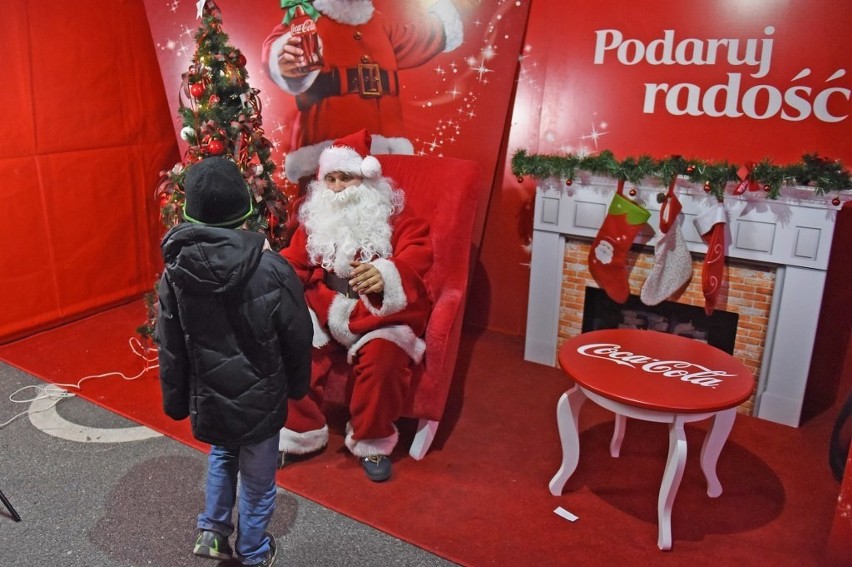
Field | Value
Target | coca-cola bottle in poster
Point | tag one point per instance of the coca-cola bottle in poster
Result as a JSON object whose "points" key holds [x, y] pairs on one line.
{"points": [[302, 16]]}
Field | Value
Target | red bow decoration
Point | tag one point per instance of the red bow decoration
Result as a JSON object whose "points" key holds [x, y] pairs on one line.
{"points": [[747, 180]]}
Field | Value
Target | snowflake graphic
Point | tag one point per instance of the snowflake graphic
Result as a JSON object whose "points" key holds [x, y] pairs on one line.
{"points": [[466, 80]]}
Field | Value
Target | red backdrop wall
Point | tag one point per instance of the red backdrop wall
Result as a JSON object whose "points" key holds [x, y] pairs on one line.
{"points": [[86, 137]]}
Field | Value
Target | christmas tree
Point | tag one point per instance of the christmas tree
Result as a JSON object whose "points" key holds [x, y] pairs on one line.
{"points": [[221, 116]]}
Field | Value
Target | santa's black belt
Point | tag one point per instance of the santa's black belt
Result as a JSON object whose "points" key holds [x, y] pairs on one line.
{"points": [[368, 80], [338, 284]]}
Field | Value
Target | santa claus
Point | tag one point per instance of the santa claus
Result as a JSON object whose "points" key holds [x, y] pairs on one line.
{"points": [[361, 257], [358, 84]]}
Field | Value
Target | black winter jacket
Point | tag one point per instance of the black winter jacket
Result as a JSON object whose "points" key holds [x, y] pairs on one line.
{"points": [[234, 334]]}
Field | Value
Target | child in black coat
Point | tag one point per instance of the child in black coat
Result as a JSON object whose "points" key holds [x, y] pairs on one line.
{"points": [[234, 337]]}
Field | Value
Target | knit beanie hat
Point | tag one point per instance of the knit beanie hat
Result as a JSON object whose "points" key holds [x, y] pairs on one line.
{"points": [[350, 154], [216, 194]]}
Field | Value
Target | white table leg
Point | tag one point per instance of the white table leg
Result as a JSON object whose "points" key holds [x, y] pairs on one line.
{"points": [[567, 416], [617, 435], [723, 422], [671, 481]]}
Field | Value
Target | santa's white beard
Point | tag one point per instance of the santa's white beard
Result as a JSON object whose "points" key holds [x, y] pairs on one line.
{"points": [[348, 225]]}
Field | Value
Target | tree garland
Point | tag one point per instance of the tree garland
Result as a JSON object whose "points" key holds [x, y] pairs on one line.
{"points": [[823, 174]]}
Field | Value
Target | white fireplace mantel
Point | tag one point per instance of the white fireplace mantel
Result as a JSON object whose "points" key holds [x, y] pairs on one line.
{"points": [[793, 233]]}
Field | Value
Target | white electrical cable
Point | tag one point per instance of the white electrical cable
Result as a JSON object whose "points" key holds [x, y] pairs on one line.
{"points": [[57, 392]]}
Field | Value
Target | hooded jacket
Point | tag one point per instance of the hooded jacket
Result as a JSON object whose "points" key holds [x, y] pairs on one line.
{"points": [[234, 334]]}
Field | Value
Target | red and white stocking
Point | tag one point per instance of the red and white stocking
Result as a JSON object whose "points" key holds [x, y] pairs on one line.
{"points": [[672, 260], [711, 226], [608, 255]]}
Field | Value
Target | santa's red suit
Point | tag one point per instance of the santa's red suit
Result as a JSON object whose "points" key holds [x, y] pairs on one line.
{"points": [[358, 86], [379, 333]]}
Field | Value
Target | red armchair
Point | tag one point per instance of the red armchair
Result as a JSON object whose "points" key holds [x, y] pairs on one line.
{"points": [[446, 192]]}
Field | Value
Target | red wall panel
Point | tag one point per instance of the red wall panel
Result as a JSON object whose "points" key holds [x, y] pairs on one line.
{"points": [[92, 133]]}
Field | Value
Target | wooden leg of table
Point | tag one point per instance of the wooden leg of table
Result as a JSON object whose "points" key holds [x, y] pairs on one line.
{"points": [[567, 415], [671, 482], [723, 422], [617, 435]]}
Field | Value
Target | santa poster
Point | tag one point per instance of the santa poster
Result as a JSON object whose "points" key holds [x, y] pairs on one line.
{"points": [[425, 77]]}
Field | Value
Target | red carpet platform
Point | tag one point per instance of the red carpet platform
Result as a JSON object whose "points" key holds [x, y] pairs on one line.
{"points": [[480, 496]]}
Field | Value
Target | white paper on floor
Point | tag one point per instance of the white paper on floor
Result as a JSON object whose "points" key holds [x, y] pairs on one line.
{"points": [[560, 511]]}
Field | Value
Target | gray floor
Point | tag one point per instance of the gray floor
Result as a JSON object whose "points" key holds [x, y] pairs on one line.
{"points": [[131, 503]]}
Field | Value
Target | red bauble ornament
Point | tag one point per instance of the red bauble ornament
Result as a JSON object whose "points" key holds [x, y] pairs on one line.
{"points": [[767, 188], [707, 187], [569, 182], [215, 147], [836, 201], [633, 192], [690, 169], [164, 199], [196, 89], [520, 179], [241, 60], [214, 99]]}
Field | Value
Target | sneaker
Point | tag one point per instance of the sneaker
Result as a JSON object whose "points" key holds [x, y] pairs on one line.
{"points": [[270, 555], [212, 545], [377, 467]]}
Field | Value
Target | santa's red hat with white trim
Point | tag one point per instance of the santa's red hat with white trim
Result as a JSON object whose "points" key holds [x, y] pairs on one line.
{"points": [[350, 154]]}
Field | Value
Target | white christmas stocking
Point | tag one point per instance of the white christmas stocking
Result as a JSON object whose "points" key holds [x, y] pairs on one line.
{"points": [[672, 260]]}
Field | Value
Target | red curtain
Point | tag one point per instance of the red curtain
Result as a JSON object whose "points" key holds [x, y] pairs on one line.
{"points": [[88, 130]]}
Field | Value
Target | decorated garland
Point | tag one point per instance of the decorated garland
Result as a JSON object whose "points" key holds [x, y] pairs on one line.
{"points": [[823, 174]]}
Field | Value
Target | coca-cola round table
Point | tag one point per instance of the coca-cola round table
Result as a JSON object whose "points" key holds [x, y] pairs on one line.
{"points": [[656, 377]]}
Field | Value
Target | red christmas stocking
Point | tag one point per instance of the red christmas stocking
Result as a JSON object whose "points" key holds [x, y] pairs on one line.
{"points": [[607, 258], [711, 226], [672, 260]]}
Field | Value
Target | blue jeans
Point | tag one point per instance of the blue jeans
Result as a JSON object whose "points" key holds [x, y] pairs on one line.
{"points": [[256, 465]]}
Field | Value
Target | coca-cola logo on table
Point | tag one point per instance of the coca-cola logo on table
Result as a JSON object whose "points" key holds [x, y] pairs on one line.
{"points": [[733, 96], [684, 370]]}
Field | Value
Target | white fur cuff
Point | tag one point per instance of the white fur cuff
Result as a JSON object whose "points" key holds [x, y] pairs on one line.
{"points": [[338, 320], [712, 216], [294, 443], [400, 335], [368, 447], [453, 26], [321, 338], [382, 145], [304, 161], [394, 299]]}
